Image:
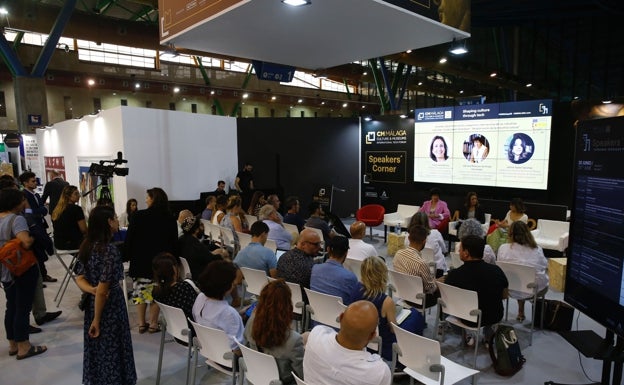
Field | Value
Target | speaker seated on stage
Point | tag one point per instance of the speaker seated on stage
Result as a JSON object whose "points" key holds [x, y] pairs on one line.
{"points": [[317, 220]]}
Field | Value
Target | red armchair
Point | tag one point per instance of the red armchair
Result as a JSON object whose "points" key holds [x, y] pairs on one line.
{"points": [[371, 215]]}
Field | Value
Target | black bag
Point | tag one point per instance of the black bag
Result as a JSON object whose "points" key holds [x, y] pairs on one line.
{"points": [[505, 351], [558, 316]]}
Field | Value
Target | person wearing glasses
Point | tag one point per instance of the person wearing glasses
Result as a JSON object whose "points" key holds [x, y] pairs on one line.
{"points": [[296, 264]]}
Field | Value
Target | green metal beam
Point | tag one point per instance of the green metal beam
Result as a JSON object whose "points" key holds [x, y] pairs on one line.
{"points": [[344, 81], [143, 14], [202, 70], [18, 40], [245, 82], [103, 6], [398, 75], [385, 104]]}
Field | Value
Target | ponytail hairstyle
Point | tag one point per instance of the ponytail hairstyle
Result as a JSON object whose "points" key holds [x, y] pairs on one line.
{"points": [[165, 268]]}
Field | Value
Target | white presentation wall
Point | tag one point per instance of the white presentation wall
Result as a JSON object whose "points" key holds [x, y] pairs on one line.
{"points": [[182, 153]]}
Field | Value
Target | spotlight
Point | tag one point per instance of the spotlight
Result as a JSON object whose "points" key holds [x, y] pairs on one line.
{"points": [[296, 3], [3, 11], [344, 105], [90, 82], [493, 75], [443, 60], [176, 89], [245, 95], [368, 118], [458, 48]]}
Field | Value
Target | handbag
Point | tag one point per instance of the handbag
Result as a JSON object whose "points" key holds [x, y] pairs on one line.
{"points": [[14, 256], [558, 315]]}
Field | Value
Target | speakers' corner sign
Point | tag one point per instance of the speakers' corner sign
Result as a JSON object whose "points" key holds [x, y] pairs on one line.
{"points": [[386, 166]]}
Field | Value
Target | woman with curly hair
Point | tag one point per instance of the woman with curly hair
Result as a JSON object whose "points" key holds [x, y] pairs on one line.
{"points": [[268, 330], [257, 201]]}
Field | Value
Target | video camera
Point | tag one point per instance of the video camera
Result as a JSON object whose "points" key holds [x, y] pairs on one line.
{"points": [[108, 168]]}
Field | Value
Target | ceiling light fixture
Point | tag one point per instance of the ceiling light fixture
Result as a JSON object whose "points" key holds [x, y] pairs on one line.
{"points": [[273, 97], [300, 101], [137, 85], [245, 95], [296, 3], [403, 116], [3, 11], [493, 75], [176, 89], [344, 105], [458, 48], [368, 118], [529, 85], [408, 51], [443, 60], [90, 82]]}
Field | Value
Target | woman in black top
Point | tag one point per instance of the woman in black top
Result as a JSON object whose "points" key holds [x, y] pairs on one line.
{"points": [[68, 220]]}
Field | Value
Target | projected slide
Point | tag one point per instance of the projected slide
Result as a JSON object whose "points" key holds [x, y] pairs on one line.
{"points": [[502, 145]]}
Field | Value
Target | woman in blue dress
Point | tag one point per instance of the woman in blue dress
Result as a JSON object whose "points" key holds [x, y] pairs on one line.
{"points": [[108, 355]]}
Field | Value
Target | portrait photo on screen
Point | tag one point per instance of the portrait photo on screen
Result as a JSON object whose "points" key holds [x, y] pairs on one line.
{"points": [[476, 148], [438, 150], [519, 147]]}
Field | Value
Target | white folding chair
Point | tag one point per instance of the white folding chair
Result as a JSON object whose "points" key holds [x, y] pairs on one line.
{"points": [[173, 321], [324, 308], [254, 281], [296, 297], [214, 345], [354, 266], [298, 380], [522, 285], [423, 361], [251, 219], [213, 232], [292, 229], [258, 368], [460, 304], [428, 256], [186, 273], [271, 244], [410, 289], [456, 260], [228, 238], [244, 239], [69, 273]]}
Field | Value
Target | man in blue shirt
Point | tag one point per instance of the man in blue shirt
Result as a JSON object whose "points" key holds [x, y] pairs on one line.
{"points": [[331, 277], [255, 255]]}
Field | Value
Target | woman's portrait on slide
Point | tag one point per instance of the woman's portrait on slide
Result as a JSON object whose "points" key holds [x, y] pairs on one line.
{"points": [[520, 148]]}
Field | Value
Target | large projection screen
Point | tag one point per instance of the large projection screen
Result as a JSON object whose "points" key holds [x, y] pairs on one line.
{"points": [[594, 278], [499, 145]]}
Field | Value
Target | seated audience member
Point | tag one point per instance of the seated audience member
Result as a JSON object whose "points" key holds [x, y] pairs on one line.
{"points": [[434, 242], [317, 220], [331, 277], [471, 209], [358, 249], [292, 214], [277, 232], [274, 201], [486, 279], [126, 216], [473, 227], [332, 358], [211, 309], [220, 190], [524, 251], [373, 287], [498, 231], [409, 261], [295, 265], [255, 255], [268, 330], [181, 217], [220, 208], [197, 253], [257, 201], [436, 209], [211, 206], [170, 289]]}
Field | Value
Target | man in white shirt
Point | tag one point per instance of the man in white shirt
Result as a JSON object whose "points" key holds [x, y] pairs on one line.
{"points": [[341, 358], [358, 249]]}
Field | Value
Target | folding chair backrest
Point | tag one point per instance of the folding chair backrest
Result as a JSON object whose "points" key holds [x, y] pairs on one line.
{"points": [[255, 280], [298, 380], [271, 244], [418, 353], [354, 266], [228, 237], [187, 269], [261, 368], [175, 320], [292, 229], [455, 260], [325, 308], [521, 278], [251, 219], [297, 297], [215, 344], [244, 239], [459, 302], [408, 286]]}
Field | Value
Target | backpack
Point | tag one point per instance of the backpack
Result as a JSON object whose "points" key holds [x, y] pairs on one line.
{"points": [[14, 256], [505, 351]]}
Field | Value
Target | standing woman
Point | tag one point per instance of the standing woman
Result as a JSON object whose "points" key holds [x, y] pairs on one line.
{"points": [[19, 291], [152, 231], [68, 220], [126, 216], [108, 354], [523, 250]]}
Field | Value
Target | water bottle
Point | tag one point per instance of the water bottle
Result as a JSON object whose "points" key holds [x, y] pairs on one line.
{"points": [[397, 229]]}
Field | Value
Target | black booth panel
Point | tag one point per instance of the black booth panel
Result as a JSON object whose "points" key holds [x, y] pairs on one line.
{"points": [[293, 155]]}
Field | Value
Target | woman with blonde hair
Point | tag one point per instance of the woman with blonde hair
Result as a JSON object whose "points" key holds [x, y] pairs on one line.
{"points": [[374, 283], [68, 220], [268, 330], [523, 250]]}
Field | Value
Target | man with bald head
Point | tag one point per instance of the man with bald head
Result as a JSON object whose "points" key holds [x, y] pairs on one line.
{"points": [[341, 358], [358, 249], [296, 264]]}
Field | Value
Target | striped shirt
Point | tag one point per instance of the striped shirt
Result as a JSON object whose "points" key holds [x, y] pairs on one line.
{"points": [[409, 261]]}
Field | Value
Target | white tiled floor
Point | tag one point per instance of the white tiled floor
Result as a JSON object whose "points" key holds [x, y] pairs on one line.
{"points": [[550, 357]]}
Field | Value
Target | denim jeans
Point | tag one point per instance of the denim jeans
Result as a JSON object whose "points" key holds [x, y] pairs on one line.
{"points": [[19, 293]]}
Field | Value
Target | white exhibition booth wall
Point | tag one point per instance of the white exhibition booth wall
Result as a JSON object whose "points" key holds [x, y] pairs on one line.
{"points": [[183, 153]]}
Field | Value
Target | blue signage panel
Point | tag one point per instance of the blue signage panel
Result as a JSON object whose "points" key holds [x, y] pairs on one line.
{"points": [[273, 72]]}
